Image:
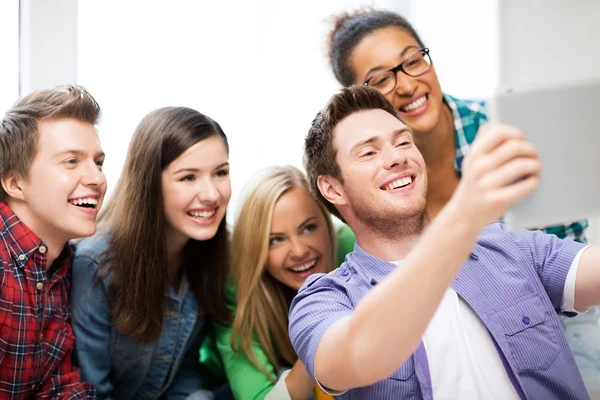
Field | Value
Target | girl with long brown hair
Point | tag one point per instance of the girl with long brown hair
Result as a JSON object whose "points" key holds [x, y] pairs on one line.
{"points": [[144, 286]]}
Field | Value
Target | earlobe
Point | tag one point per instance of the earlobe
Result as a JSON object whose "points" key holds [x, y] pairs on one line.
{"points": [[12, 186], [331, 189]]}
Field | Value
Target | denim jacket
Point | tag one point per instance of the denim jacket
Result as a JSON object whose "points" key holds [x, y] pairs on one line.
{"points": [[117, 365]]}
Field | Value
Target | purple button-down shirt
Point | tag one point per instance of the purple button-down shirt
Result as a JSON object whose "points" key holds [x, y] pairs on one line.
{"points": [[513, 281]]}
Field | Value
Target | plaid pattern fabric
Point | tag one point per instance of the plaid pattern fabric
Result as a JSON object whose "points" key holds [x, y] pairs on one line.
{"points": [[469, 115], [36, 337]]}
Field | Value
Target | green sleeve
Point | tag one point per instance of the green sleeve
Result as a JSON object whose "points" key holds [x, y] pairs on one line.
{"points": [[245, 380], [345, 242]]}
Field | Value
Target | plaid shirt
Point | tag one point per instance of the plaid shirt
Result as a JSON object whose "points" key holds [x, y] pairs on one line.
{"points": [[36, 337], [469, 115]]}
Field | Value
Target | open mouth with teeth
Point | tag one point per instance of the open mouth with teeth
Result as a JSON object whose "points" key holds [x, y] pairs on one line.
{"points": [[418, 103], [305, 267], [202, 215], [85, 202], [399, 183]]}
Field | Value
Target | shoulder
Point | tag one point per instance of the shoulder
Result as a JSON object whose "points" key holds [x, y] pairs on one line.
{"points": [[89, 255], [94, 248], [333, 285], [467, 106]]}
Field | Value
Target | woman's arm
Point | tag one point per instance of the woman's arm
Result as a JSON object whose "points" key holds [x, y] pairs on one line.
{"points": [[245, 380]]}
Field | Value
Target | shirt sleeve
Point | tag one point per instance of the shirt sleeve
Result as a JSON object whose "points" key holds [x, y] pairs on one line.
{"points": [[552, 258], [280, 391], [91, 325], [320, 302], [568, 301]]}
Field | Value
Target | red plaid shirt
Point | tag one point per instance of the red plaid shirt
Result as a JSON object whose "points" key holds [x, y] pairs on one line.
{"points": [[36, 337]]}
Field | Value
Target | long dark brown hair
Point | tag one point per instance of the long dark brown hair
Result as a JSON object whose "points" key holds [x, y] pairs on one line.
{"points": [[134, 219]]}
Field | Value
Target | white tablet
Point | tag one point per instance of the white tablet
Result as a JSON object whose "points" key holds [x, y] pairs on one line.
{"points": [[564, 124]]}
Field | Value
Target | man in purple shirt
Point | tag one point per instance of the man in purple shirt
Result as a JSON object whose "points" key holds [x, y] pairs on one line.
{"points": [[457, 308]]}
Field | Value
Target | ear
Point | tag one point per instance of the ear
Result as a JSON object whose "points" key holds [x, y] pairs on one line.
{"points": [[12, 185], [332, 190]]}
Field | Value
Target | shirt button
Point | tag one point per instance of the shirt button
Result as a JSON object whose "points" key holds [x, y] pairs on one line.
{"points": [[344, 272], [21, 257], [39, 286], [42, 249], [33, 387], [526, 320]]}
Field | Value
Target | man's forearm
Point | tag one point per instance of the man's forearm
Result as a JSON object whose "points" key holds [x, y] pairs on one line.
{"points": [[388, 323]]}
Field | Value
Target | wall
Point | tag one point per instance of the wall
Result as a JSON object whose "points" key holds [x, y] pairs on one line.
{"points": [[550, 41]]}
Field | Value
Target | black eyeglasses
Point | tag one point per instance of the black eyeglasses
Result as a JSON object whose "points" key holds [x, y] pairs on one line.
{"points": [[415, 64]]}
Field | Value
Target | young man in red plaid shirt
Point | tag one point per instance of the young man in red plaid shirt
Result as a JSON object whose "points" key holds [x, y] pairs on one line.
{"points": [[52, 188]]}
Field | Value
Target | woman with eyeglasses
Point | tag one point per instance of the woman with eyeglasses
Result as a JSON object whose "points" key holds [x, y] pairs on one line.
{"points": [[381, 49]]}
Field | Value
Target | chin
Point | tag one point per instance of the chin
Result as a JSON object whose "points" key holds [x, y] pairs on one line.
{"points": [[81, 232], [206, 234]]}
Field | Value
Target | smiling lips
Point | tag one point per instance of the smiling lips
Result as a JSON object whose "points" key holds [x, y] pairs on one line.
{"points": [[300, 268], [86, 202], [202, 215], [415, 104], [399, 183]]}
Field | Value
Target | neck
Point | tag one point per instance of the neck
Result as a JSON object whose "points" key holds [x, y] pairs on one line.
{"points": [[53, 241], [391, 244], [175, 244], [435, 144]]}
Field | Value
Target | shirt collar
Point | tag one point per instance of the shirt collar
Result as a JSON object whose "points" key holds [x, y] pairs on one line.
{"points": [[373, 270], [183, 288], [22, 243]]}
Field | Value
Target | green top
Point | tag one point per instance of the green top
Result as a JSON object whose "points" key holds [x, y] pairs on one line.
{"points": [[246, 381]]}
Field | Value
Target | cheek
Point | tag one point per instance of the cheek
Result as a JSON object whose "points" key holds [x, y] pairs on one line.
{"points": [[275, 261], [225, 191], [173, 199]]}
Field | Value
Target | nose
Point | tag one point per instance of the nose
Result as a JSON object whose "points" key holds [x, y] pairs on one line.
{"points": [[298, 250], [207, 192], [393, 156], [405, 85], [93, 175]]}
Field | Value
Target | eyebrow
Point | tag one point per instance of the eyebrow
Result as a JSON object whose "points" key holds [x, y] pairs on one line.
{"points": [[373, 139], [299, 226], [379, 68], [79, 153], [225, 164]]}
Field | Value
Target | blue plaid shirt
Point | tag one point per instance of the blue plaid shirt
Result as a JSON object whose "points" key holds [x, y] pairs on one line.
{"points": [[468, 116]]}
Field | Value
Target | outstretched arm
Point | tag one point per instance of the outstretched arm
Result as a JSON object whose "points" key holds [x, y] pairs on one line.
{"points": [[356, 350]]}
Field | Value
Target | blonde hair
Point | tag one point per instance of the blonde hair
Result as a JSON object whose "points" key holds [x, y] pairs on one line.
{"points": [[262, 301]]}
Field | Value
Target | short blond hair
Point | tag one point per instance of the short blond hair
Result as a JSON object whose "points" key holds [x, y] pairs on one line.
{"points": [[19, 132]]}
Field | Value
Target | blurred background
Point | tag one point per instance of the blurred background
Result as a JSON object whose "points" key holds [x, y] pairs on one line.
{"points": [[259, 67]]}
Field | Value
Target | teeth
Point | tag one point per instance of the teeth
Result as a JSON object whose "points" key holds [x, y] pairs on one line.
{"points": [[399, 183], [304, 267], [79, 202], [414, 105], [202, 214]]}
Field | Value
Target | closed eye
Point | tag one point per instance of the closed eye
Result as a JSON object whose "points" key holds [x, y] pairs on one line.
{"points": [[367, 154]]}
